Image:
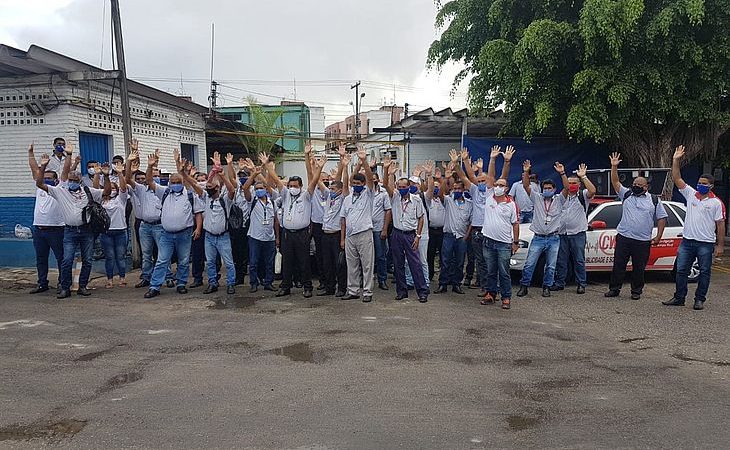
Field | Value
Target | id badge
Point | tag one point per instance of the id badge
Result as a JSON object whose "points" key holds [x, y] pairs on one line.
{"points": [[324, 203], [548, 219], [266, 222]]}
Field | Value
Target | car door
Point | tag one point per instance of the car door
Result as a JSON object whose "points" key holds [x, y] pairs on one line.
{"points": [[663, 255], [600, 242]]}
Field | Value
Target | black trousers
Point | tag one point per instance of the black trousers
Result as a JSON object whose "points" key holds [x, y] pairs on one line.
{"points": [[334, 272], [239, 247], [638, 251], [295, 258], [435, 239], [317, 235]]}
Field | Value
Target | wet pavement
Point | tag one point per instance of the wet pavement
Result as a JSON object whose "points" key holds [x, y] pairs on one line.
{"points": [[114, 370]]}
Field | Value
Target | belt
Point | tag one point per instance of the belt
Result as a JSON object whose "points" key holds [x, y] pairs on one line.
{"points": [[157, 222], [436, 228], [546, 235], [77, 227], [50, 228], [296, 231], [216, 235], [405, 232], [473, 228], [179, 231]]}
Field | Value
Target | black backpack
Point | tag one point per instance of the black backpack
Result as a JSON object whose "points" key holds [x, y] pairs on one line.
{"points": [[94, 215], [654, 199], [236, 218]]}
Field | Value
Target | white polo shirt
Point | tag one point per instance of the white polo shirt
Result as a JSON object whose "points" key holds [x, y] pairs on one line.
{"points": [[177, 212], [46, 212], [702, 215], [499, 219], [72, 204], [116, 208], [357, 209]]}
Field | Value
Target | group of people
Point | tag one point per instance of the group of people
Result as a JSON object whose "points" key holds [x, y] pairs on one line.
{"points": [[360, 226]]}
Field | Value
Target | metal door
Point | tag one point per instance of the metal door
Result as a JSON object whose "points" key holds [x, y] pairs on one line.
{"points": [[93, 147]]}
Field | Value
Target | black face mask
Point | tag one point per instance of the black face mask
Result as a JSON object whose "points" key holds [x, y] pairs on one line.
{"points": [[211, 191], [637, 190]]}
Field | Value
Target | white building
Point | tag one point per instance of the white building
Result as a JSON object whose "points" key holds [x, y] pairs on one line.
{"points": [[44, 95]]}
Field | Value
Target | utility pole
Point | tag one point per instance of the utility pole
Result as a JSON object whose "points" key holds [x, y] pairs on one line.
{"points": [[356, 86], [213, 85], [123, 89], [213, 97]]}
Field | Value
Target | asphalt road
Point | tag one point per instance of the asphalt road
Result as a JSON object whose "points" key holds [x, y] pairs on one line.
{"points": [[114, 370]]}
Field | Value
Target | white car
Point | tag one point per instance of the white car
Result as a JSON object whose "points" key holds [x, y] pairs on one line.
{"points": [[603, 218]]}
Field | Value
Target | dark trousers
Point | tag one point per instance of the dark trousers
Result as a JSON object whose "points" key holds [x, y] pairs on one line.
{"points": [[45, 240], [239, 247], [317, 235], [452, 260], [477, 249], [137, 223], [470, 266], [295, 258], [638, 251], [435, 241], [401, 247], [334, 272], [261, 260], [197, 256]]}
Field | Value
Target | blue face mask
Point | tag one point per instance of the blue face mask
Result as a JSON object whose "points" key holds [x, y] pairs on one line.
{"points": [[260, 193], [49, 182], [403, 191], [358, 189], [467, 195], [482, 187], [458, 195], [243, 180], [703, 189], [334, 195], [176, 188], [436, 191], [59, 149], [156, 179], [548, 193], [74, 186], [413, 189]]}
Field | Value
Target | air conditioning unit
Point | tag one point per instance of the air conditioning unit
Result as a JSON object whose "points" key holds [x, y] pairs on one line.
{"points": [[35, 108]]}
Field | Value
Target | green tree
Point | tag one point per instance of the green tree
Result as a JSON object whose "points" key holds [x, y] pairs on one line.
{"points": [[642, 75], [267, 126]]}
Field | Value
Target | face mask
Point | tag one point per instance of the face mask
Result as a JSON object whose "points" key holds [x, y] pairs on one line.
{"points": [[59, 148], [260, 193], [499, 190], [243, 180], [375, 185], [482, 187], [403, 191], [548, 193], [358, 189], [413, 189], [164, 181], [573, 188], [326, 183], [74, 186], [436, 191], [156, 179], [333, 195], [142, 182], [211, 191], [703, 189], [49, 181], [113, 193], [467, 195], [91, 171], [202, 184], [637, 190], [176, 188], [457, 195], [295, 191]]}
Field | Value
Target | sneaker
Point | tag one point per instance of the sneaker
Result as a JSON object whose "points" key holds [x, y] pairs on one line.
{"points": [[611, 294], [350, 297], [63, 293], [635, 296], [152, 293], [283, 292], [367, 299], [422, 299], [170, 283], [555, 287], [674, 302], [545, 291], [39, 289], [196, 284], [699, 304], [581, 290], [253, 289], [210, 289], [182, 290], [142, 283], [269, 287], [230, 290], [383, 285], [83, 292], [307, 293], [522, 292]]}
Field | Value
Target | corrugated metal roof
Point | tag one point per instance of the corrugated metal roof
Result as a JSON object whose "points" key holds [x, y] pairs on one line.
{"points": [[448, 122]]}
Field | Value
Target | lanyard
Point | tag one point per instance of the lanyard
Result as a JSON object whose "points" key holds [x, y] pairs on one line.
{"points": [[547, 210], [292, 200], [263, 205], [355, 198]]}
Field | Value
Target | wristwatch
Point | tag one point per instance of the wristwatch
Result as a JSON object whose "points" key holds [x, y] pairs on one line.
{"points": [[418, 236], [516, 242]]}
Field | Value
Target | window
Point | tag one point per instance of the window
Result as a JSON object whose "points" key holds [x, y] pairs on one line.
{"points": [[679, 211], [611, 214]]}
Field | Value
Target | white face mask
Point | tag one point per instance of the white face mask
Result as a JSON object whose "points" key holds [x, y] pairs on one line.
{"points": [[113, 193], [499, 191], [295, 190], [91, 171]]}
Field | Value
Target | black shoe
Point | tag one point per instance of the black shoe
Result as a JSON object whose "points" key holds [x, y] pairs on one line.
{"points": [[307, 293], [298, 284], [283, 292], [556, 288], [457, 289], [367, 298], [182, 290], [635, 296], [350, 297], [63, 293], [581, 290], [321, 287], [699, 304], [423, 299], [325, 292], [196, 284], [383, 285], [410, 287], [340, 294], [58, 290], [39, 289], [401, 297], [269, 287], [674, 302], [170, 283], [152, 293], [522, 292], [83, 292], [142, 283], [545, 292], [253, 289], [230, 290], [441, 290], [210, 289], [611, 293]]}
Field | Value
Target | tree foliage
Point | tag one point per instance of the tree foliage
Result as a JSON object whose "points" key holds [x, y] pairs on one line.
{"points": [[267, 127], [640, 74]]}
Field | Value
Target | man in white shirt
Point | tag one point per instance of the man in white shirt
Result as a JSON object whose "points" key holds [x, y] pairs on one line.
{"points": [[381, 216], [47, 226], [334, 264], [518, 193], [703, 235], [58, 156], [263, 231]]}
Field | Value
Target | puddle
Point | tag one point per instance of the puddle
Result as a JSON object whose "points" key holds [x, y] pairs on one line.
{"points": [[300, 352], [686, 358], [629, 340], [63, 428], [522, 362], [122, 379], [560, 337], [473, 332], [334, 332], [518, 423]]}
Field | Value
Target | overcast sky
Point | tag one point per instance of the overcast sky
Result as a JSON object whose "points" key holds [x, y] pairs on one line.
{"points": [[261, 46]]}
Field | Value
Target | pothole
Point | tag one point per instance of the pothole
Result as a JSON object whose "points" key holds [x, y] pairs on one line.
{"points": [[300, 352], [63, 428], [518, 423]]}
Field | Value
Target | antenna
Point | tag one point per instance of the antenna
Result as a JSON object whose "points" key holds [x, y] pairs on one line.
{"points": [[295, 88], [212, 98]]}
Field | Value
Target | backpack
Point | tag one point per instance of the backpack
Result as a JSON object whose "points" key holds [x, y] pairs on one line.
{"points": [[94, 215], [654, 199], [167, 192], [582, 200], [235, 219], [423, 200]]}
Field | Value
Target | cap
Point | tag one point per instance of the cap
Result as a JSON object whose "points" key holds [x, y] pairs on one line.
{"points": [[414, 179]]}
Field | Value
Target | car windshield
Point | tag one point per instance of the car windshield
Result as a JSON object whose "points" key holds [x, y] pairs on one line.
{"points": [[611, 214]]}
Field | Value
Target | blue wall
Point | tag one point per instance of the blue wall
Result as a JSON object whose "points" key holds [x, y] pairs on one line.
{"points": [[15, 210]]}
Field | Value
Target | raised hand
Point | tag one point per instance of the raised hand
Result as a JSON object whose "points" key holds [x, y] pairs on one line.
{"points": [[437, 174], [341, 149], [97, 167], [134, 146], [307, 148], [453, 156], [256, 170], [193, 170], [45, 159], [229, 158], [135, 165], [464, 154], [134, 156], [615, 159], [496, 151], [582, 170], [30, 149], [319, 163], [480, 163], [362, 154], [526, 165], [152, 159], [69, 149], [264, 158], [105, 169], [346, 161], [559, 168], [450, 169], [118, 167], [508, 153], [216, 159], [387, 162], [678, 152], [428, 167], [77, 160]]}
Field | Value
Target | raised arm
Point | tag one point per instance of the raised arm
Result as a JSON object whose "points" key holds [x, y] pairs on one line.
{"points": [[231, 169], [363, 157], [582, 174], [344, 174], [67, 163], [188, 180], [316, 173], [526, 165], [273, 178], [119, 168], [32, 163], [492, 168], [105, 169], [676, 174], [307, 160], [466, 159], [229, 184], [615, 159], [152, 160], [96, 179], [560, 169], [133, 156], [507, 155], [246, 188], [75, 163], [39, 174], [386, 176], [428, 178]]}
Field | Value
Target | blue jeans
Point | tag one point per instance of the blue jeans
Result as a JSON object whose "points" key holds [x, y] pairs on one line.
{"points": [[539, 245], [453, 251], [149, 238], [51, 238], [573, 248], [689, 250], [198, 256], [115, 252], [381, 249], [73, 238], [261, 253], [170, 243], [496, 258], [526, 216], [219, 245]]}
